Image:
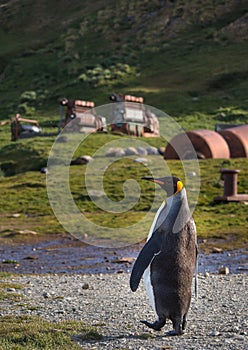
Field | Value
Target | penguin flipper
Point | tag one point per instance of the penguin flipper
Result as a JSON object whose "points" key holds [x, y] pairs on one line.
{"points": [[147, 254]]}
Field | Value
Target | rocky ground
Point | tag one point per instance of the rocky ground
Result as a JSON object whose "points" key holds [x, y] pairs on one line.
{"points": [[217, 319]]}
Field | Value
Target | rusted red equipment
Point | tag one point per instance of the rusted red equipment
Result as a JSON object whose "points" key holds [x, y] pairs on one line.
{"points": [[206, 144], [237, 140], [231, 187], [131, 117], [81, 117]]}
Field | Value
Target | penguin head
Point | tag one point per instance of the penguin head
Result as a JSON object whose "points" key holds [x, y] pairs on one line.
{"points": [[171, 184]]}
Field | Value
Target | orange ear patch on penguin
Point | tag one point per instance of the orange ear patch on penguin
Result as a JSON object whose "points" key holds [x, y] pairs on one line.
{"points": [[179, 186]]}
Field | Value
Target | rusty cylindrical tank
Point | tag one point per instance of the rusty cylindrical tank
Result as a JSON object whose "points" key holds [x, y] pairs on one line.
{"points": [[206, 144], [237, 140]]}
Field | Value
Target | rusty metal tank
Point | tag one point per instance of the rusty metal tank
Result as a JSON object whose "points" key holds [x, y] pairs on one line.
{"points": [[237, 140], [203, 143]]}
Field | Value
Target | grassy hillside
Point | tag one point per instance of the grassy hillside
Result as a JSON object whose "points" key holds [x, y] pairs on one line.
{"points": [[182, 56]]}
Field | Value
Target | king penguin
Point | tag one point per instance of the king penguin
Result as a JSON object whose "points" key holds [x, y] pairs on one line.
{"points": [[168, 259]]}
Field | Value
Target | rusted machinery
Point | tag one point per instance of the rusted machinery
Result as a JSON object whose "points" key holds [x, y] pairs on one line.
{"points": [[237, 140], [81, 117], [231, 187], [130, 116], [31, 128], [203, 143]]}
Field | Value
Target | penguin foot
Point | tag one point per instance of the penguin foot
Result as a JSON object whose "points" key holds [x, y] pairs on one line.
{"points": [[157, 325], [179, 327], [174, 333], [184, 324]]}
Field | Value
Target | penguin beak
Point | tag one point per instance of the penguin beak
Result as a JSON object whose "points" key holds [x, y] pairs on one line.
{"points": [[156, 181]]}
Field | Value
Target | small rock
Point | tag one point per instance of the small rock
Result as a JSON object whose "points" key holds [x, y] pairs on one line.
{"points": [[142, 151], [85, 286], [26, 232], [152, 151], [131, 151], [240, 337], [16, 215], [223, 270], [192, 173], [46, 295], [31, 257], [115, 152], [120, 153], [81, 160], [141, 160], [44, 170], [59, 311], [217, 250], [62, 139], [214, 333], [125, 260]]}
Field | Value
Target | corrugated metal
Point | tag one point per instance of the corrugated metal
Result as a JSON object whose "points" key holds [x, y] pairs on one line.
{"points": [[203, 143], [237, 140]]}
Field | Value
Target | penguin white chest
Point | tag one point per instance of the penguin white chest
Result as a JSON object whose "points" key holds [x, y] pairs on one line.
{"points": [[147, 272]]}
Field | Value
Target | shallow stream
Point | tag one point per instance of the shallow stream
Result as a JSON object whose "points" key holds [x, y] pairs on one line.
{"points": [[67, 255]]}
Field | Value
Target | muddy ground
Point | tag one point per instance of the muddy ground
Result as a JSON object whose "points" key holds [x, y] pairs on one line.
{"points": [[68, 255]]}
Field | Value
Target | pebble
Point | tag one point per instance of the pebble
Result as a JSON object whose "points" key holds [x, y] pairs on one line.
{"points": [[142, 151], [131, 151], [224, 270], [214, 333], [152, 150], [46, 295], [85, 286], [117, 311], [141, 160]]}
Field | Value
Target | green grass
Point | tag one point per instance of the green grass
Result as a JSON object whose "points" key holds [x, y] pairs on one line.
{"points": [[4, 285], [10, 296], [25, 194], [25, 332], [7, 295]]}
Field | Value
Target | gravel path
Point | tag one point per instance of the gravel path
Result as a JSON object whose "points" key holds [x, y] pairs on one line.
{"points": [[217, 319]]}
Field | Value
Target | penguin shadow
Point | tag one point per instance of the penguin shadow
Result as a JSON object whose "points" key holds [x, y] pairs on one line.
{"points": [[145, 335]]}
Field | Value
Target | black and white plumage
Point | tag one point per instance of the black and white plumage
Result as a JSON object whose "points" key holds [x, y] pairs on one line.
{"points": [[168, 258]]}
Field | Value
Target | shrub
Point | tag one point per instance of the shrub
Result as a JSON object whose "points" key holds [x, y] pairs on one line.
{"points": [[99, 75]]}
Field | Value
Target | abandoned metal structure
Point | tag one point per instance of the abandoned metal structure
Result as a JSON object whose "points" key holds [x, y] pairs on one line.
{"points": [[206, 144], [30, 128], [231, 187], [130, 116], [226, 143], [237, 140], [80, 116]]}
